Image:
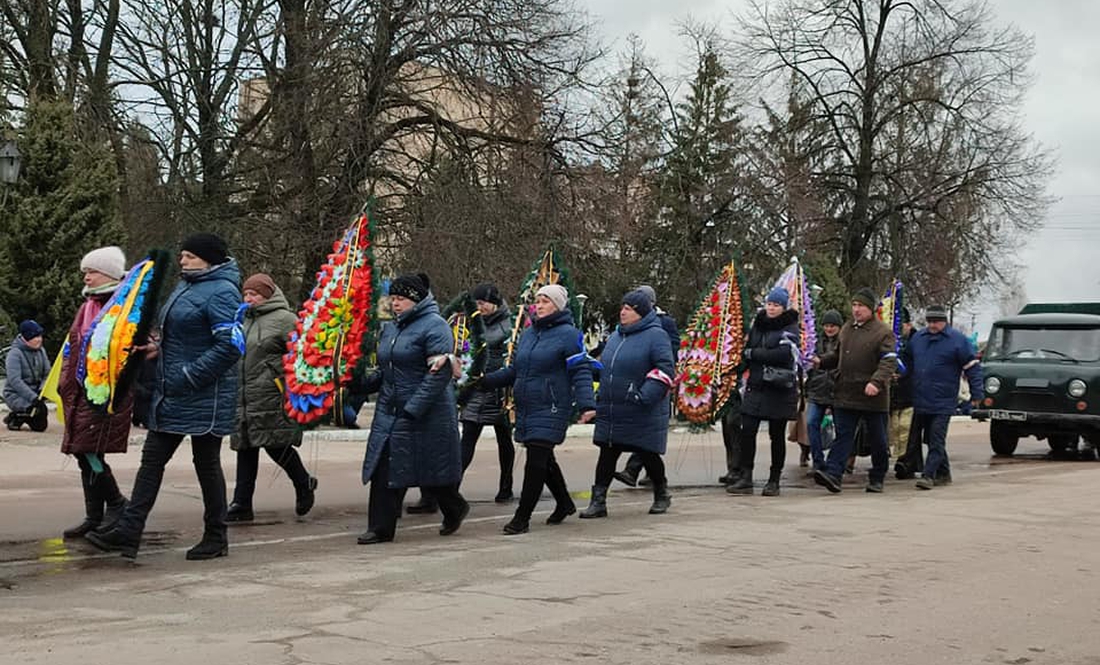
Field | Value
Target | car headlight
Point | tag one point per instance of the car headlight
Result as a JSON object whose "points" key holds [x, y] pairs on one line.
{"points": [[1077, 388], [992, 385]]}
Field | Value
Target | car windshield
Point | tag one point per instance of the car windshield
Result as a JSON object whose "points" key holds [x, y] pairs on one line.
{"points": [[1050, 344]]}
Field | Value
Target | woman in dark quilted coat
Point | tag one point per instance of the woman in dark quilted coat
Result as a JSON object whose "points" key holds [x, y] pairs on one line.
{"points": [[771, 392], [485, 406], [263, 423], [414, 435], [195, 394], [632, 407], [90, 434], [551, 379]]}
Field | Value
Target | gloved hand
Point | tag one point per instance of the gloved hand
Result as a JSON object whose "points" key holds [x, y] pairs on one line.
{"points": [[632, 395]]}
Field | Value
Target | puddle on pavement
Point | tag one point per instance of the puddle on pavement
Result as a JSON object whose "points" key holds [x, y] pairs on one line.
{"points": [[743, 647]]}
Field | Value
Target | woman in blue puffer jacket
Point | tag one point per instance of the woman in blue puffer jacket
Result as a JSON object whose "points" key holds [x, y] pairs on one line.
{"points": [[632, 407], [414, 436], [195, 393], [551, 376]]}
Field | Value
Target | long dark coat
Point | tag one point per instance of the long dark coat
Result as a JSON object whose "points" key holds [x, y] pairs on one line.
{"points": [[195, 389], [485, 405], [551, 378], [415, 419], [632, 406], [262, 420], [88, 429], [774, 342]]}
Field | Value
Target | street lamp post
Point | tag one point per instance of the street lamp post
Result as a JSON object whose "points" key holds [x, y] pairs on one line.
{"points": [[10, 162], [581, 299]]}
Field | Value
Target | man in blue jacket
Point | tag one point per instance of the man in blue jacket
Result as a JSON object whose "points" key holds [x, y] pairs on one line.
{"points": [[936, 357]]}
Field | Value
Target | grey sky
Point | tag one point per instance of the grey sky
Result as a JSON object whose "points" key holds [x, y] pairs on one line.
{"points": [[1061, 262]]}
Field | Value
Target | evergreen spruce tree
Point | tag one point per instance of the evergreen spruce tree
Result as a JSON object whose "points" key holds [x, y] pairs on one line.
{"points": [[64, 205]]}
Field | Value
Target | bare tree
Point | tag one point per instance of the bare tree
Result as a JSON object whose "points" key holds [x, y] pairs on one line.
{"points": [[919, 100]]}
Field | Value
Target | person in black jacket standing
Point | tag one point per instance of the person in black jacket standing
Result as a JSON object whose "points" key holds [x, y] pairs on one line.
{"points": [[635, 463], [771, 392]]}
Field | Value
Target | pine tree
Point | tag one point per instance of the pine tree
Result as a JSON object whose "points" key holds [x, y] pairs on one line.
{"points": [[64, 205]]}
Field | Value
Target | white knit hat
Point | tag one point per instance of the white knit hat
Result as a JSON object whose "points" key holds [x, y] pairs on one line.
{"points": [[556, 293], [108, 260]]}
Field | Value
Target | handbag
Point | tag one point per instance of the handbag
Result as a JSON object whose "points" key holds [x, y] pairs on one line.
{"points": [[778, 377]]}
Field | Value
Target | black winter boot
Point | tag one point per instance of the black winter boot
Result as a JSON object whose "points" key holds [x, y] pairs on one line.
{"points": [[208, 548], [93, 509], [597, 507], [661, 498], [238, 512], [304, 497], [115, 540], [742, 486], [113, 513]]}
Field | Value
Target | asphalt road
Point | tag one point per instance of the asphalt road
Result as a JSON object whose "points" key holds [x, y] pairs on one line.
{"points": [[1000, 567]]}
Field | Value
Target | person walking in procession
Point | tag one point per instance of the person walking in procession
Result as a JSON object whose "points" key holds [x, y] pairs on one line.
{"points": [[551, 376], [634, 463], [91, 433], [414, 435], [771, 391], [194, 395], [262, 422], [901, 403], [819, 386], [632, 406], [865, 361], [27, 367], [936, 356]]}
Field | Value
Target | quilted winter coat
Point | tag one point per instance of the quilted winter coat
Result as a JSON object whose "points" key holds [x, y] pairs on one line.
{"points": [[632, 406], [87, 429], [774, 343], [195, 385], [485, 404], [415, 419], [551, 377], [262, 420]]}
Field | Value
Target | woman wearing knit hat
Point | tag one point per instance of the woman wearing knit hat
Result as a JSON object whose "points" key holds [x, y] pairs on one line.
{"points": [[551, 377], [27, 367], [632, 407], [261, 420], [414, 435], [771, 392], [90, 434], [485, 406], [195, 394]]}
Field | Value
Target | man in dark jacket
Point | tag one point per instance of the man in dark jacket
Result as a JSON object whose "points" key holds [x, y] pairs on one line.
{"points": [[865, 360], [901, 396], [936, 357], [629, 474], [819, 386]]}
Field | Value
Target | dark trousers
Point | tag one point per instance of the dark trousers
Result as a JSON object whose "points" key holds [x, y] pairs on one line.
{"points": [[540, 470], [609, 458], [384, 502], [506, 450], [930, 429], [777, 431], [155, 454], [100, 487], [248, 467], [874, 432]]}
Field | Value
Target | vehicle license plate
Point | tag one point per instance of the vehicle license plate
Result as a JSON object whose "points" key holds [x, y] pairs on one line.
{"points": [[997, 414]]}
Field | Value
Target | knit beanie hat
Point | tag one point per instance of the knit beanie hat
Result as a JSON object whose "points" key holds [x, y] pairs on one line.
{"points": [[832, 318], [208, 247], [488, 293], [30, 329], [779, 296], [414, 287], [865, 296], [261, 283], [649, 293], [638, 301], [107, 260], [557, 295]]}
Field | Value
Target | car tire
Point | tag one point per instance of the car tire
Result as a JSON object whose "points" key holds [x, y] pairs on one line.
{"points": [[1003, 439]]}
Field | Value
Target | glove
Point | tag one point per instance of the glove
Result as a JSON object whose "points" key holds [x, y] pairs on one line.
{"points": [[632, 395]]}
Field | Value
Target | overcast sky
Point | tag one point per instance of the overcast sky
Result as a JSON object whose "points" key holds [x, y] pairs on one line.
{"points": [[1062, 262]]}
